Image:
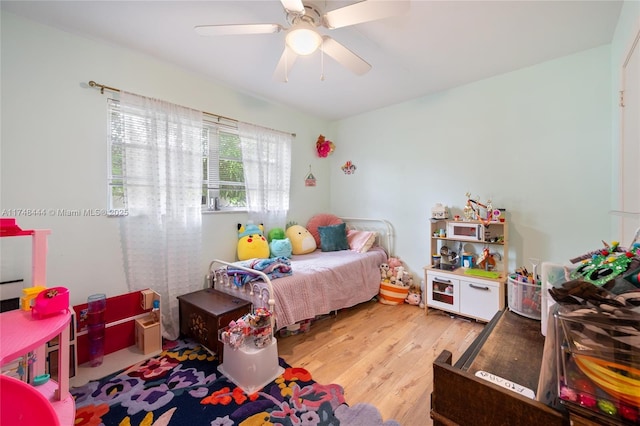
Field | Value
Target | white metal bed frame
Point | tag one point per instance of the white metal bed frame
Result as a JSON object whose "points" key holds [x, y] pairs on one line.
{"points": [[366, 224]]}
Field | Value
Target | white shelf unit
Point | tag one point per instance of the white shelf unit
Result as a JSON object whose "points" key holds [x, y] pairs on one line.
{"points": [[465, 291]]}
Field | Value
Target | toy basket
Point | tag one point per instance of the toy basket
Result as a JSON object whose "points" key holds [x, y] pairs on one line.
{"points": [[525, 298], [391, 294]]}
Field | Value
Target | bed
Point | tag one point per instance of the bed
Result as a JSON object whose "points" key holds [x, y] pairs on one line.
{"points": [[320, 282]]}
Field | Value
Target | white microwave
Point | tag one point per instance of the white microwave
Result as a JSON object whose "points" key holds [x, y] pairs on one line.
{"points": [[465, 231]]}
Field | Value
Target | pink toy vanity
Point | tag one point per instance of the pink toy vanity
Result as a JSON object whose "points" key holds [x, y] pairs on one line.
{"points": [[23, 332]]}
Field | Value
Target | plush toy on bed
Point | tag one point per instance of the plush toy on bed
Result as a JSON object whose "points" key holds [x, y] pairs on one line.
{"points": [[279, 244], [251, 242], [302, 242]]}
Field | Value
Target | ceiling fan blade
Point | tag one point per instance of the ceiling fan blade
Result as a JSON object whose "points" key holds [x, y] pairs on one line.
{"points": [[287, 59], [237, 29], [294, 6], [344, 56], [364, 11]]}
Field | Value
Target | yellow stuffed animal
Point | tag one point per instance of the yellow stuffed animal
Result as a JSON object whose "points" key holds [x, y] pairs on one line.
{"points": [[251, 242], [302, 242]]}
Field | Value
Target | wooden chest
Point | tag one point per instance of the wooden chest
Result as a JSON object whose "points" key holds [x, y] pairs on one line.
{"points": [[204, 312]]}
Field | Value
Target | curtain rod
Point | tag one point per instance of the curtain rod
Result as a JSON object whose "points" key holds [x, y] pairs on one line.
{"points": [[103, 87]]}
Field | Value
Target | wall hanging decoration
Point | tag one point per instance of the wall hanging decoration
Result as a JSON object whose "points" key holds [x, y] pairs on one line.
{"points": [[324, 147], [349, 168], [310, 179]]}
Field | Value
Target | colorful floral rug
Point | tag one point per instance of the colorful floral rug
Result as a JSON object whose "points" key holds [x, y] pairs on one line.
{"points": [[182, 386]]}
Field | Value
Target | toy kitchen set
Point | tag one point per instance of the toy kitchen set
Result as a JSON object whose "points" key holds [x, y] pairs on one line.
{"points": [[469, 258]]}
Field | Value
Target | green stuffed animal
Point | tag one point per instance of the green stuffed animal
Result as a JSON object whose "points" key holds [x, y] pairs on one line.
{"points": [[279, 244], [251, 242]]}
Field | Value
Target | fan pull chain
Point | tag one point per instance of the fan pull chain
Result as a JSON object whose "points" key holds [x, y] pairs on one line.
{"points": [[322, 62]]}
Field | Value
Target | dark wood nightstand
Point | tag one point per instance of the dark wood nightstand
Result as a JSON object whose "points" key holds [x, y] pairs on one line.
{"points": [[204, 312]]}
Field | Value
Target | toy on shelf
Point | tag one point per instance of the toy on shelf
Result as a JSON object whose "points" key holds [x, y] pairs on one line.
{"points": [[471, 211], [51, 301], [440, 211], [29, 294], [486, 261]]}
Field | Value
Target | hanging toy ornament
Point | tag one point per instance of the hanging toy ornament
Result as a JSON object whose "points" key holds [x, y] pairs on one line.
{"points": [[324, 147]]}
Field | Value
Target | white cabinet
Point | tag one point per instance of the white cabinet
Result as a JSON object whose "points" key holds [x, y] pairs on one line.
{"points": [[481, 299], [471, 297], [466, 288]]}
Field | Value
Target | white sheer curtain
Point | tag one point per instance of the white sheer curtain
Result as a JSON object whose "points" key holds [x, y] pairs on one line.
{"points": [[266, 158], [162, 169]]}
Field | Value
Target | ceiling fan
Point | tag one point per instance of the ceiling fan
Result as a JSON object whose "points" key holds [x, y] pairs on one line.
{"points": [[303, 37]]}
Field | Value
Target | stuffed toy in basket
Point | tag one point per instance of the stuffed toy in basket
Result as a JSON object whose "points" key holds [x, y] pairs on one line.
{"points": [[393, 291]]}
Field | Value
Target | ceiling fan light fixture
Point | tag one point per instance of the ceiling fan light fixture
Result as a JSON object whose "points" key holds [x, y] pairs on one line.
{"points": [[303, 39]]}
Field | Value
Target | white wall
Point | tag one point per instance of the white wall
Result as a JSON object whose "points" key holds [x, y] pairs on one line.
{"points": [[536, 141], [53, 152], [626, 31]]}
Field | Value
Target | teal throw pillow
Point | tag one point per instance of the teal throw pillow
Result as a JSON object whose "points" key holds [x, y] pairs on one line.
{"points": [[333, 237]]}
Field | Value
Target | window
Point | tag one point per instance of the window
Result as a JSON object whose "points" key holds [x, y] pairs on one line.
{"points": [[223, 185], [223, 173]]}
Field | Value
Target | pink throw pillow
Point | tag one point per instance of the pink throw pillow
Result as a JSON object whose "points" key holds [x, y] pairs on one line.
{"points": [[360, 241], [322, 219]]}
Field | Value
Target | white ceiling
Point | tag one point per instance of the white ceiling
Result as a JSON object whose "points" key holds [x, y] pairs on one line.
{"points": [[437, 45]]}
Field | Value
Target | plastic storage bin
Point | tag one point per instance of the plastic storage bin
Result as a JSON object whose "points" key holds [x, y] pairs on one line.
{"points": [[524, 298], [552, 275], [598, 363], [251, 368]]}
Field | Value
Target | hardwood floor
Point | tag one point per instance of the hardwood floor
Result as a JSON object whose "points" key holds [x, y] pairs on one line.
{"points": [[381, 354]]}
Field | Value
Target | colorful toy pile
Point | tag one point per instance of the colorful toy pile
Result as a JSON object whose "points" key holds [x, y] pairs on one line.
{"points": [[598, 333], [252, 329], [600, 367]]}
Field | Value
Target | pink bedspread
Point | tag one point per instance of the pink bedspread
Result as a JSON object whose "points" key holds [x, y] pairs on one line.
{"points": [[325, 281]]}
